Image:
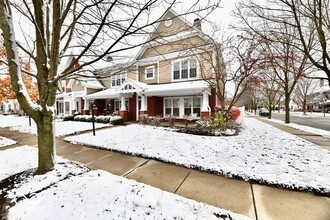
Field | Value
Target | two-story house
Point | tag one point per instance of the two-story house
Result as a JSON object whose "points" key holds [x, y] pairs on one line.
{"points": [[165, 78]]}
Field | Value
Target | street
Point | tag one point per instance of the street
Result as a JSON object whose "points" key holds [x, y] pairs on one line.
{"points": [[315, 122]]}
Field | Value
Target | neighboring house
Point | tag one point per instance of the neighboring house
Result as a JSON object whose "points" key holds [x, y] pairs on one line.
{"points": [[319, 100], [165, 78]]}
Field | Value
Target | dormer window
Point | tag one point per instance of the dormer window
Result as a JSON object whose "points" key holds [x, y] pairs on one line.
{"points": [[150, 72], [184, 69], [118, 79]]}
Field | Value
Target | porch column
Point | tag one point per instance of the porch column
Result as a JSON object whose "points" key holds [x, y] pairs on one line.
{"points": [[122, 104], [144, 108], [73, 104], [123, 112], [86, 106], [205, 104]]}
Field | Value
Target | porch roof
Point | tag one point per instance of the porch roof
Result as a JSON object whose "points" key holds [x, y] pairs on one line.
{"points": [[104, 94], [178, 88], [166, 89]]}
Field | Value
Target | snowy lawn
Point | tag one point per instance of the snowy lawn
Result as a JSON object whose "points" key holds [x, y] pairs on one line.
{"points": [[6, 142], [62, 128], [260, 152], [321, 132], [72, 191]]}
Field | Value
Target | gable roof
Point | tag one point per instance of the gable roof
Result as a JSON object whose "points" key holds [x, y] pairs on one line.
{"points": [[193, 31]]}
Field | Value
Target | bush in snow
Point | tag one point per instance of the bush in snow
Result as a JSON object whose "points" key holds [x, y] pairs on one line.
{"points": [[143, 119], [170, 119], [68, 118], [83, 118], [155, 120], [103, 119], [116, 120]]}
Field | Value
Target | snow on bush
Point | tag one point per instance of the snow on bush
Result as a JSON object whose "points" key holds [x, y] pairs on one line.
{"points": [[116, 120]]}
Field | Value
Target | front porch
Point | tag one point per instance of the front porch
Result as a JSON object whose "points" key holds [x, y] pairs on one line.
{"points": [[132, 99]]}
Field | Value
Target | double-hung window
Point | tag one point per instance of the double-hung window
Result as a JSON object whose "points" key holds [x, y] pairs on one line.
{"points": [[184, 69], [150, 72], [118, 79]]}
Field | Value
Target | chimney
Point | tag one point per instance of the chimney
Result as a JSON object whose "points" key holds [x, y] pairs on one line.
{"points": [[197, 24]]}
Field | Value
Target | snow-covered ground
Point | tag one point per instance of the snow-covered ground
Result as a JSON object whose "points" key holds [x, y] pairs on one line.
{"points": [[321, 132], [6, 142], [62, 128], [260, 152], [72, 191]]}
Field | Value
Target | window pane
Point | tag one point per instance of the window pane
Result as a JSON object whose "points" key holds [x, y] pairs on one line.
{"points": [[176, 111], [187, 111], [193, 68], [197, 102], [150, 72], [176, 70], [176, 103], [187, 102], [168, 103], [168, 111], [184, 69], [197, 111]]}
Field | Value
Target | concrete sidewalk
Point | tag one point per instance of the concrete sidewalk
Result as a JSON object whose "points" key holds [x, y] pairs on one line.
{"points": [[254, 200]]}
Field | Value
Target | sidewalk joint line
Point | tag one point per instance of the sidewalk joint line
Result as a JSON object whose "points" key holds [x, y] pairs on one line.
{"points": [[182, 182], [135, 168], [254, 202]]}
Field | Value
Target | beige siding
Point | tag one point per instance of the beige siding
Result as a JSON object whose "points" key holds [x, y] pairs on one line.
{"points": [[175, 46], [142, 75], [165, 71], [91, 91], [77, 86], [205, 62], [177, 26], [107, 82], [131, 73]]}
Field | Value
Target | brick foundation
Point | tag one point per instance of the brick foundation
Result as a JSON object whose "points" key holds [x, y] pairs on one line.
{"points": [[124, 115], [85, 112], [205, 115], [143, 112]]}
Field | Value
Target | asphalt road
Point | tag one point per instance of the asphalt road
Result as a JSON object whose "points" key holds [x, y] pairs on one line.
{"points": [[315, 122]]}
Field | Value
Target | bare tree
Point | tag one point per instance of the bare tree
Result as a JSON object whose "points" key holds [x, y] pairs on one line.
{"points": [[270, 88], [280, 42], [305, 87], [309, 19], [89, 30]]}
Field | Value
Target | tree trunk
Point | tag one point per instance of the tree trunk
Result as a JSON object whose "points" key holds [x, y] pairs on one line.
{"points": [[270, 111], [304, 105], [46, 144], [287, 110]]}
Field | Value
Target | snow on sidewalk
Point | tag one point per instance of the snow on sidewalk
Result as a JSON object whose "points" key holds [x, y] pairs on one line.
{"points": [[62, 128], [260, 152], [6, 142], [72, 191], [317, 131]]}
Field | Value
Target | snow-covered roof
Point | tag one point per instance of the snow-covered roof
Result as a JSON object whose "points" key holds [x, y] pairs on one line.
{"points": [[93, 84], [167, 89], [104, 94]]}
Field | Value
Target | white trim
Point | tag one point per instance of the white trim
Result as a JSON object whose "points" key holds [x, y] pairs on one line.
{"points": [[158, 76], [153, 73], [181, 104], [181, 60], [168, 22]]}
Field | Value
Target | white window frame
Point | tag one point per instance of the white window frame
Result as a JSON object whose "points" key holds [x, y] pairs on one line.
{"points": [[181, 104], [67, 104], [119, 103], [180, 69], [146, 72], [122, 76]]}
